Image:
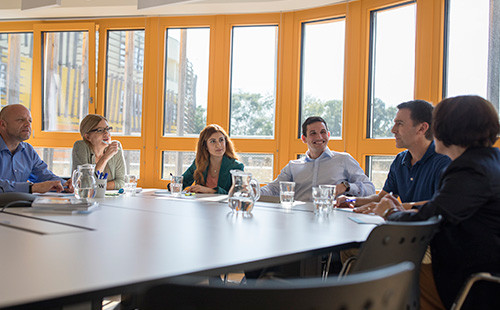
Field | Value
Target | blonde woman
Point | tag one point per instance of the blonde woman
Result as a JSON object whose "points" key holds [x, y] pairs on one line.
{"points": [[97, 148], [215, 158]]}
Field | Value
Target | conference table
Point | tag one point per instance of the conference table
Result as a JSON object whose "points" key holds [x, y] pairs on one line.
{"points": [[128, 244]]}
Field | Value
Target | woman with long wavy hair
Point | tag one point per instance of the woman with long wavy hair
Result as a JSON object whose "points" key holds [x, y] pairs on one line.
{"points": [[215, 158]]}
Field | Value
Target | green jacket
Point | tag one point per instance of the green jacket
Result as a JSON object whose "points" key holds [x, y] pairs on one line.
{"points": [[225, 180]]}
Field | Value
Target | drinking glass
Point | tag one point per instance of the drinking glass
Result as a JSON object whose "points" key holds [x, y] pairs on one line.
{"points": [[176, 185], [329, 192], [287, 193], [130, 185], [321, 201]]}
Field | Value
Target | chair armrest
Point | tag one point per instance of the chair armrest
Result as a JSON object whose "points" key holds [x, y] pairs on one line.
{"points": [[486, 276]]}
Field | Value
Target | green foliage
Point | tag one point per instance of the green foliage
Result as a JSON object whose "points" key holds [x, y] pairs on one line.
{"points": [[199, 119], [330, 111], [383, 119], [252, 114]]}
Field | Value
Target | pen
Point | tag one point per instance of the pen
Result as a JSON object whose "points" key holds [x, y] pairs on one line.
{"points": [[105, 176], [350, 200], [97, 174]]}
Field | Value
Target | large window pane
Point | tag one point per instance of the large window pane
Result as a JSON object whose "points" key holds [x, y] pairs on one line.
{"points": [[124, 76], [176, 163], [16, 67], [253, 81], [132, 162], [65, 79], [186, 81], [473, 49], [58, 160], [322, 75], [377, 168], [260, 165], [392, 66]]}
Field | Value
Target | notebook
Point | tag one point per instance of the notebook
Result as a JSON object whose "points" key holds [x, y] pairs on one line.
{"points": [[63, 204]]}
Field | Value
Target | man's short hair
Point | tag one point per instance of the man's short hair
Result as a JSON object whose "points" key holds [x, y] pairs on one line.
{"points": [[3, 112], [467, 121], [310, 120], [420, 112]]}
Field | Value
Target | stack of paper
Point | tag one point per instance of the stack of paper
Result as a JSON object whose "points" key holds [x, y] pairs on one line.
{"points": [[63, 204]]}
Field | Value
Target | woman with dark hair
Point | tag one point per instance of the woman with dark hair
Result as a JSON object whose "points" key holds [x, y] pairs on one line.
{"points": [[465, 128], [96, 147], [215, 158]]}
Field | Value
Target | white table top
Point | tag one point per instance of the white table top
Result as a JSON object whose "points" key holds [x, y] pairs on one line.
{"points": [[132, 241]]}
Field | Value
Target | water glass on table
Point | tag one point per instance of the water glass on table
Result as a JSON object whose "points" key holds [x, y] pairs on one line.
{"points": [[176, 185], [330, 192], [321, 201], [130, 185], [287, 193]]}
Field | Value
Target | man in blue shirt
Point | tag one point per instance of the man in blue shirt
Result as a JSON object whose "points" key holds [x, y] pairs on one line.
{"points": [[321, 166], [414, 173], [21, 169]]}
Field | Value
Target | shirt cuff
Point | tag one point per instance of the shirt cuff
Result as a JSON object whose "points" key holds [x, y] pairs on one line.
{"points": [[23, 187]]}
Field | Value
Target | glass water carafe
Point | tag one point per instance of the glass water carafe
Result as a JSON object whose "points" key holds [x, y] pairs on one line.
{"points": [[84, 181], [244, 191]]}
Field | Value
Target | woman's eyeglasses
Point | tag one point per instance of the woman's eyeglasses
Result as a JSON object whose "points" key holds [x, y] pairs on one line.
{"points": [[101, 130]]}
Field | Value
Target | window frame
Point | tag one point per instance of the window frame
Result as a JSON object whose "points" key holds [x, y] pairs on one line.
{"points": [[301, 67], [58, 138], [286, 145]]}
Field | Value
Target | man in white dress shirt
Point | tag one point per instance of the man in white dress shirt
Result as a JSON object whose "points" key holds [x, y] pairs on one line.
{"points": [[320, 165]]}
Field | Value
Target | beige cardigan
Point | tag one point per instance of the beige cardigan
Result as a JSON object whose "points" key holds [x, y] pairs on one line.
{"points": [[115, 168]]}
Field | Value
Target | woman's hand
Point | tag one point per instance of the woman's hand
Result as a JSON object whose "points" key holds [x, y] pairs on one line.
{"points": [[111, 149], [201, 189]]}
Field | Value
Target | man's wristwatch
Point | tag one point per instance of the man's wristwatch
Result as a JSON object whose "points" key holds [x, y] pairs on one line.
{"points": [[30, 188], [347, 185]]}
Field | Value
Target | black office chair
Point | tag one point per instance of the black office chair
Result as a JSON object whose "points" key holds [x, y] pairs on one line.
{"points": [[383, 288], [481, 276], [392, 243]]}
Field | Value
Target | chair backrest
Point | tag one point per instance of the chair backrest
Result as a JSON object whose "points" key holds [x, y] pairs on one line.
{"points": [[396, 242], [383, 288]]}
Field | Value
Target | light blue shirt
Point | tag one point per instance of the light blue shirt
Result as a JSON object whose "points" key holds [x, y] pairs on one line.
{"points": [[23, 165], [329, 168]]}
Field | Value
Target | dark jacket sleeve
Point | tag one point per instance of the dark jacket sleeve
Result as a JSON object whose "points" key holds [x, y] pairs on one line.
{"points": [[461, 194], [188, 176]]}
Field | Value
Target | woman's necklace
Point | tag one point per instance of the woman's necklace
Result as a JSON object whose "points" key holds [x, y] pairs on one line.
{"points": [[213, 171]]}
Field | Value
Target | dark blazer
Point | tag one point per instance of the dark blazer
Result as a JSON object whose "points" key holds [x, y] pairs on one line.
{"points": [[469, 238], [225, 180]]}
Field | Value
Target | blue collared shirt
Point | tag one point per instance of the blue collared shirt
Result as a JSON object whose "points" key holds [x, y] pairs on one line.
{"points": [[24, 165], [417, 182], [329, 168]]}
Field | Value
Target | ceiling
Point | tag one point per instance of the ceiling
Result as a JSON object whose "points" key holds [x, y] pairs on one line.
{"points": [[11, 9]]}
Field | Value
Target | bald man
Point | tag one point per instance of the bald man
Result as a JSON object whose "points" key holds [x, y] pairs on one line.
{"points": [[21, 169]]}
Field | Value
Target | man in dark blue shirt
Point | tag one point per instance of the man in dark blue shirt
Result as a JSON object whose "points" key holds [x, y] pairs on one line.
{"points": [[21, 169], [414, 173]]}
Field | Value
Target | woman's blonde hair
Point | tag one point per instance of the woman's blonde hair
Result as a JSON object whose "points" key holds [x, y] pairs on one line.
{"points": [[88, 123], [203, 156]]}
